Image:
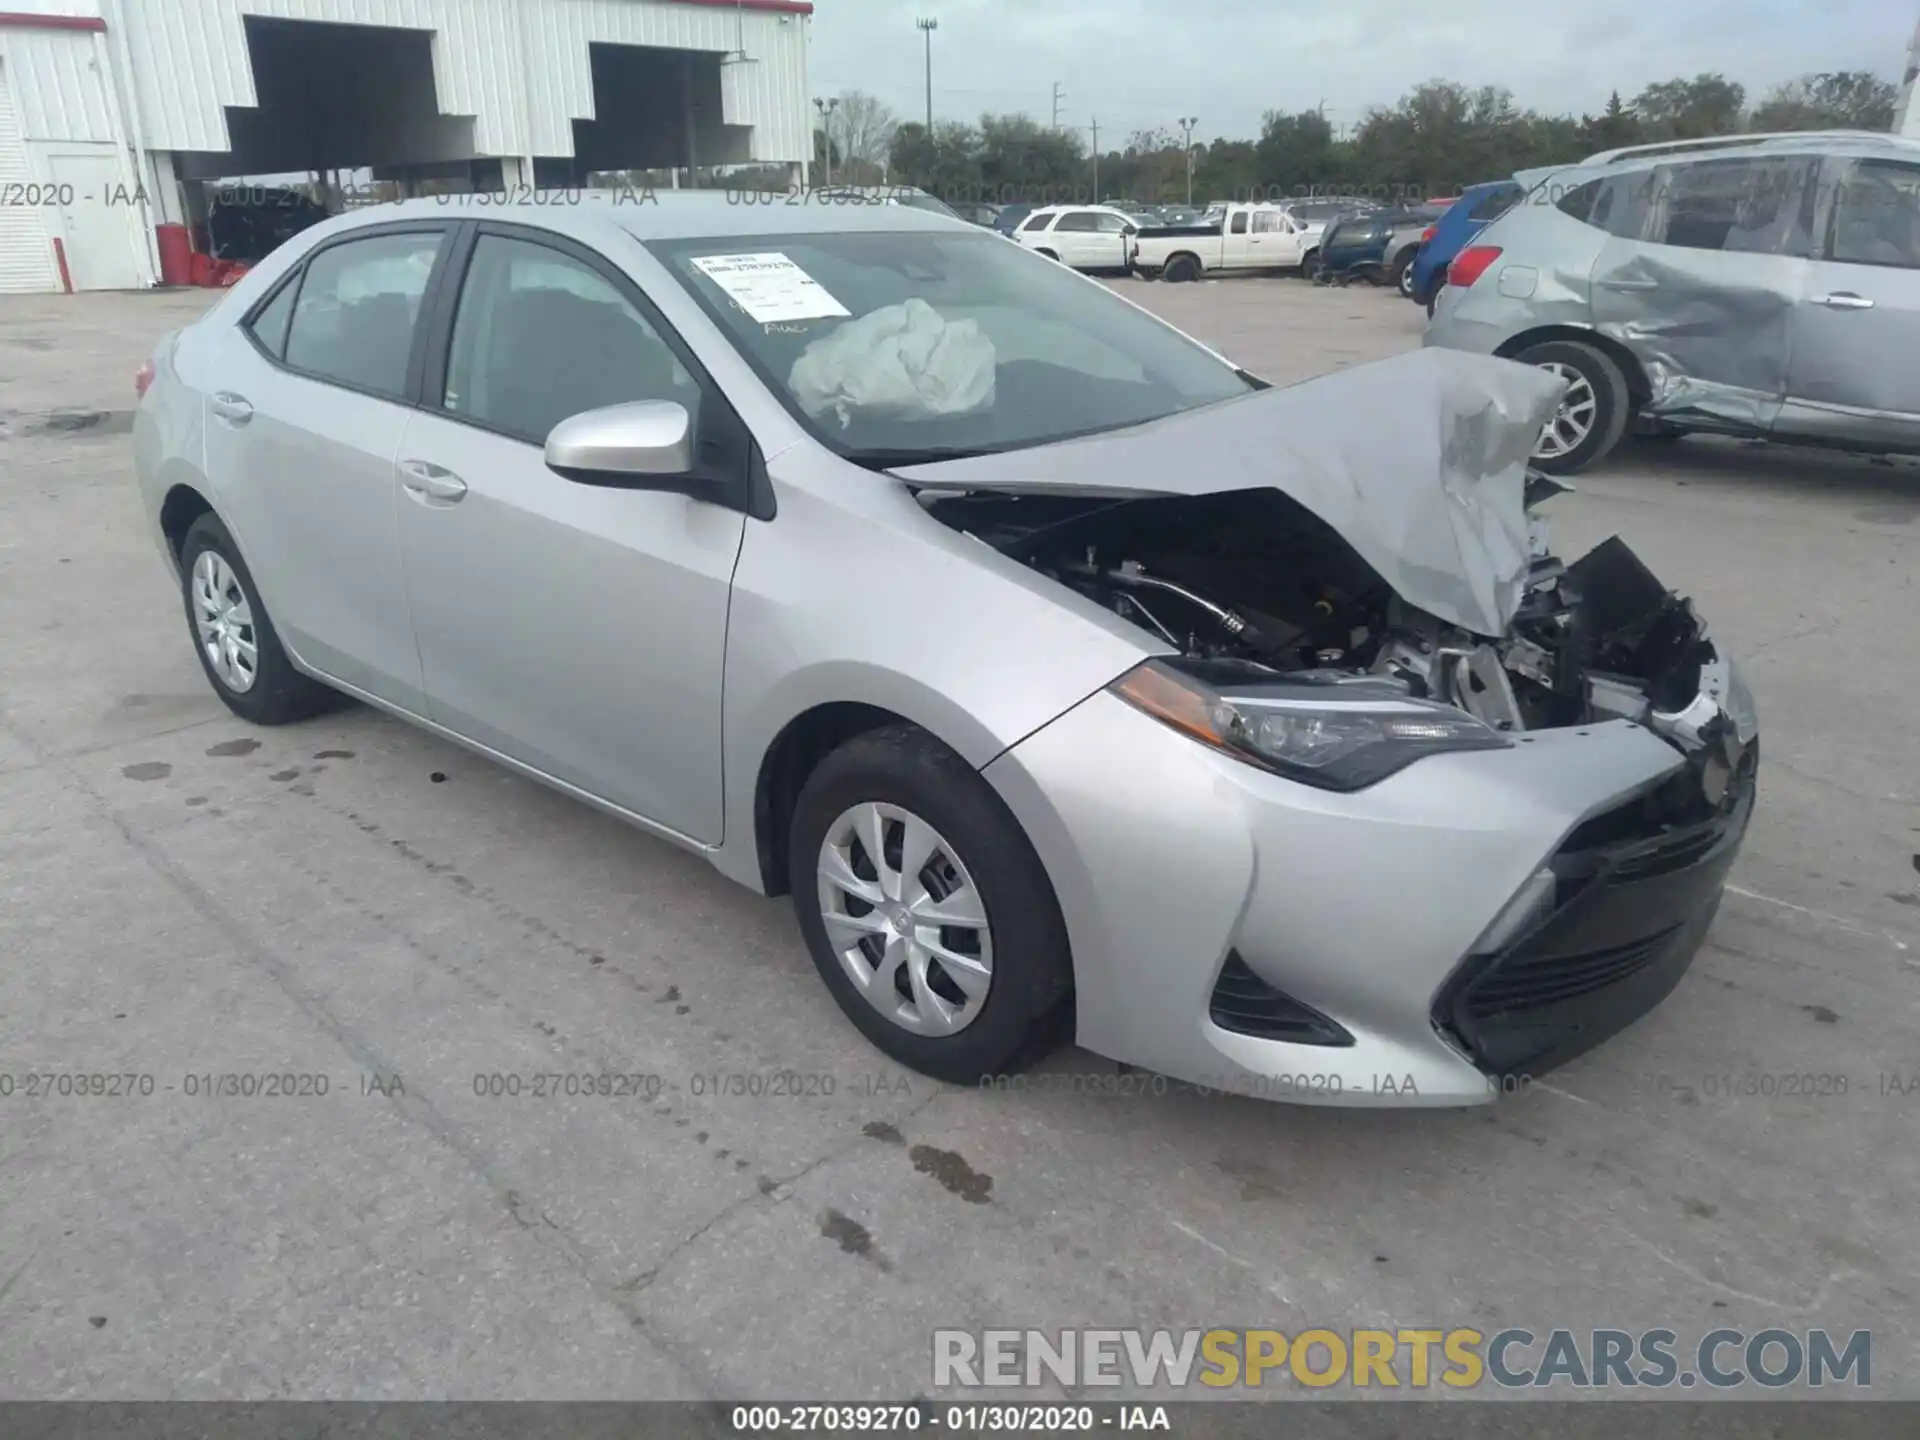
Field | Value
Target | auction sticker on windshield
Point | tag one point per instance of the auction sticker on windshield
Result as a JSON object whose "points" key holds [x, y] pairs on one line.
{"points": [[770, 287]]}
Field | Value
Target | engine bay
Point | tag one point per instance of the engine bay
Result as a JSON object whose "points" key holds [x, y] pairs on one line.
{"points": [[1254, 576]]}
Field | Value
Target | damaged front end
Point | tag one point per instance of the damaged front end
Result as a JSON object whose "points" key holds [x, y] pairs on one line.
{"points": [[1293, 653], [1253, 591]]}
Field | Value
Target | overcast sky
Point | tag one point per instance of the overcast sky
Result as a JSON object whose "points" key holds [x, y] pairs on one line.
{"points": [[1133, 64]]}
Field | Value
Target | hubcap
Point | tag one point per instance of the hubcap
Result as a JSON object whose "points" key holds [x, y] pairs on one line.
{"points": [[223, 616], [905, 919], [1406, 280], [1573, 422]]}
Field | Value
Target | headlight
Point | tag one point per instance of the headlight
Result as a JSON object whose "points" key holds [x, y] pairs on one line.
{"points": [[1338, 736]]}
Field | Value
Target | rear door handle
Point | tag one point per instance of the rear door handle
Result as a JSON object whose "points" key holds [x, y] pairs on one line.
{"points": [[430, 484], [230, 407], [1843, 300], [1629, 284]]}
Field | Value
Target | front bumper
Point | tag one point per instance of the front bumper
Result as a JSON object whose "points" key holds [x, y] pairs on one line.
{"points": [[1199, 890]]}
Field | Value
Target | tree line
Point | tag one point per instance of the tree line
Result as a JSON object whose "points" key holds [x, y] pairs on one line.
{"points": [[1440, 137]]}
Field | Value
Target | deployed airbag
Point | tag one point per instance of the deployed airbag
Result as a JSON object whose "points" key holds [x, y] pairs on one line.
{"points": [[904, 362]]}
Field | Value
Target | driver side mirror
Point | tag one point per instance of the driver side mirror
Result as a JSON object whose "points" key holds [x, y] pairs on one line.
{"points": [[641, 445]]}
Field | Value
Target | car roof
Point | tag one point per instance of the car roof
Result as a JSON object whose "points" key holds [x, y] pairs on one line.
{"points": [[662, 215]]}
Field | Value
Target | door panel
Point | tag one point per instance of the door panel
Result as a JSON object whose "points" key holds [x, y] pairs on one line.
{"points": [[578, 629], [1854, 378], [303, 467], [1236, 248], [1701, 273], [98, 231]]}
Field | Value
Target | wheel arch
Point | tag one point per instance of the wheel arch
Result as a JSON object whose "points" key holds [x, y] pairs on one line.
{"points": [[184, 504], [801, 744], [1639, 389]]}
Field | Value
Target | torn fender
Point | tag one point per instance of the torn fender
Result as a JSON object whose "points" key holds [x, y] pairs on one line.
{"points": [[1419, 462]]}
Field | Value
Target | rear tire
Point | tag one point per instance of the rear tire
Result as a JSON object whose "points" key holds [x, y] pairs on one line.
{"points": [[1400, 275], [239, 650], [1180, 270], [1049, 255], [1310, 265], [979, 861], [1594, 414]]}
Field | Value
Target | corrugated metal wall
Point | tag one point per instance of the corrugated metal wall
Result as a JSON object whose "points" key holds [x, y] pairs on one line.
{"points": [[518, 67], [26, 256], [59, 92]]}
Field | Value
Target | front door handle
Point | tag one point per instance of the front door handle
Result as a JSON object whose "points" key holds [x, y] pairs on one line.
{"points": [[1843, 300], [234, 409], [1626, 284], [430, 484]]}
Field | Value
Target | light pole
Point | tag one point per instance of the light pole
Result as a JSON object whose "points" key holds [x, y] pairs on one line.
{"points": [[826, 109], [1187, 122], [927, 26]]}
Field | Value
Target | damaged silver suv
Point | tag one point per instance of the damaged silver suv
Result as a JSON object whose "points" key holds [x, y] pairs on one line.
{"points": [[1762, 286], [1072, 681]]}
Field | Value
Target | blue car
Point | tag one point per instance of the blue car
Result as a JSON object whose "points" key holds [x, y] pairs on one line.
{"points": [[1478, 207]]}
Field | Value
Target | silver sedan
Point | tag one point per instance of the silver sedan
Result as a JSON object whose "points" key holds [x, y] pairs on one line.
{"points": [[1073, 681]]}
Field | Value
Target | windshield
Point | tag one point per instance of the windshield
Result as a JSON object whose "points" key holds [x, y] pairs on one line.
{"points": [[893, 347]]}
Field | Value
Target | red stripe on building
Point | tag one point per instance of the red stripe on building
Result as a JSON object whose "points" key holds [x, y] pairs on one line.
{"points": [[21, 20], [784, 7]]}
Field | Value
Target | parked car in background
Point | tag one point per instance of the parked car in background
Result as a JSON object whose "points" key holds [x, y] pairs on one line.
{"points": [[1086, 237], [1478, 207], [1377, 246], [977, 212], [927, 584], [1009, 217], [1761, 286], [1242, 238]]}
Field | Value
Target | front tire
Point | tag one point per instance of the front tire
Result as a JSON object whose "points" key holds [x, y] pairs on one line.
{"points": [[1592, 416], [233, 635], [926, 909]]}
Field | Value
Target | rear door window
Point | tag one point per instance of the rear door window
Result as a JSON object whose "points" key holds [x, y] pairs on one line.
{"points": [[1076, 220], [354, 318], [1239, 225], [1876, 216], [1756, 206], [269, 324]]}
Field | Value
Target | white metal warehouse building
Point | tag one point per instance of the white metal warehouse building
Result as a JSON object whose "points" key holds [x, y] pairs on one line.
{"points": [[111, 110]]}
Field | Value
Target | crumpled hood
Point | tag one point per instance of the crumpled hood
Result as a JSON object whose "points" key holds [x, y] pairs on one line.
{"points": [[1419, 462]]}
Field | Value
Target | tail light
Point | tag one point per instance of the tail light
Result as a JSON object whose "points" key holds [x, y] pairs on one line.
{"points": [[142, 378], [1426, 234], [1471, 263]]}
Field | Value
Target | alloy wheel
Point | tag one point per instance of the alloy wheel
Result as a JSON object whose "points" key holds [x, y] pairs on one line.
{"points": [[223, 620], [905, 919], [1573, 422]]}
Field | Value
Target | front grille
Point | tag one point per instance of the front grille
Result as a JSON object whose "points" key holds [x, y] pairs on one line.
{"points": [[1247, 1005], [1535, 982], [1636, 894], [1684, 849]]}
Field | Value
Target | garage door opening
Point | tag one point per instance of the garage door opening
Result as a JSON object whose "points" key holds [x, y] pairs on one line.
{"points": [[340, 97], [655, 109]]}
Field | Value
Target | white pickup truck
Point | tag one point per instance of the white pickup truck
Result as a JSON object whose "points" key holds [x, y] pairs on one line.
{"points": [[1246, 237]]}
